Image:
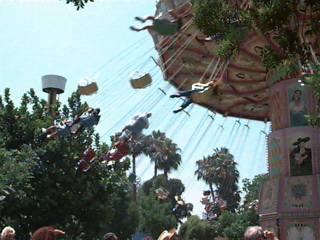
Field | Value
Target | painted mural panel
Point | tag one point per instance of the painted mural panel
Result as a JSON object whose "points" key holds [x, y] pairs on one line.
{"points": [[274, 155], [297, 229], [298, 194], [299, 144], [297, 95], [277, 108], [268, 197]]}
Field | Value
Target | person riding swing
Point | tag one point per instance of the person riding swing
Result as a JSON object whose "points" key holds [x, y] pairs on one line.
{"points": [[164, 26]]}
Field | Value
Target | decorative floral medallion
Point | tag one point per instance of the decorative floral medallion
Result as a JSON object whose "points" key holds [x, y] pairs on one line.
{"points": [[298, 193]]}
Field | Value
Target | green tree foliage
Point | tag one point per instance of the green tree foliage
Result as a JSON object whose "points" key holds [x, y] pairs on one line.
{"points": [[280, 20], [155, 216], [138, 147], [195, 228], [229, 224], [18, 125], [163, 152], [217, 18], [233, 225], [16, 174], [48, 189], [220, 169], [175, 188], [313, 80], [79, 3], [228, 21], [126, 212], [205, 173], [225, 24], [252, 187]]}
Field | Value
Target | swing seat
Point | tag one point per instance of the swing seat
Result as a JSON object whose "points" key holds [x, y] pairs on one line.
{"points": [[87, 87], [205, 200], [162, 193], [203, 96], [83, 166], [141, 81], [88, 155]]}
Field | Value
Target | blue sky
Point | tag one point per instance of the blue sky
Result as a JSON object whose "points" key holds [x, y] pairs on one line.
{"points": [[50, 37]]}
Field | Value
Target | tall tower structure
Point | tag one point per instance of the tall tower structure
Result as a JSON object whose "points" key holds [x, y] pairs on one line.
{"points": [[289, 200], [53, 85]]}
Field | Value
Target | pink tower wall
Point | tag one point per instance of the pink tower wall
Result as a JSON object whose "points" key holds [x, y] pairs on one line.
{"points": [[290, 199]]}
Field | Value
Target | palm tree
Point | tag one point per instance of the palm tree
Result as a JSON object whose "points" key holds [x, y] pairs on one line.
{"points": [[138, 147], [228, 178], [170, 158], [204, 172], [163, 152], [155, 144], [226, 169], [220, 169]]}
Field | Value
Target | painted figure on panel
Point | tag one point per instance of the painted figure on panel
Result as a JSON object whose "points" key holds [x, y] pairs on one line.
{"points": [[301, 158], [298, 110], [301, 231]]}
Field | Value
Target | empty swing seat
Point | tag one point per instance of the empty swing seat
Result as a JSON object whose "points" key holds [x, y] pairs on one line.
{"points": [[203, 96], [205, 200], [162, 193], [141, 81], [87, 87], [86, 162], [83, 166], [88, 155]]}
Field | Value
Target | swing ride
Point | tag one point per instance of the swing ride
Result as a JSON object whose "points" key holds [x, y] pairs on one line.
{"points": [[203, 138], [208, 132], [247, 90]]}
